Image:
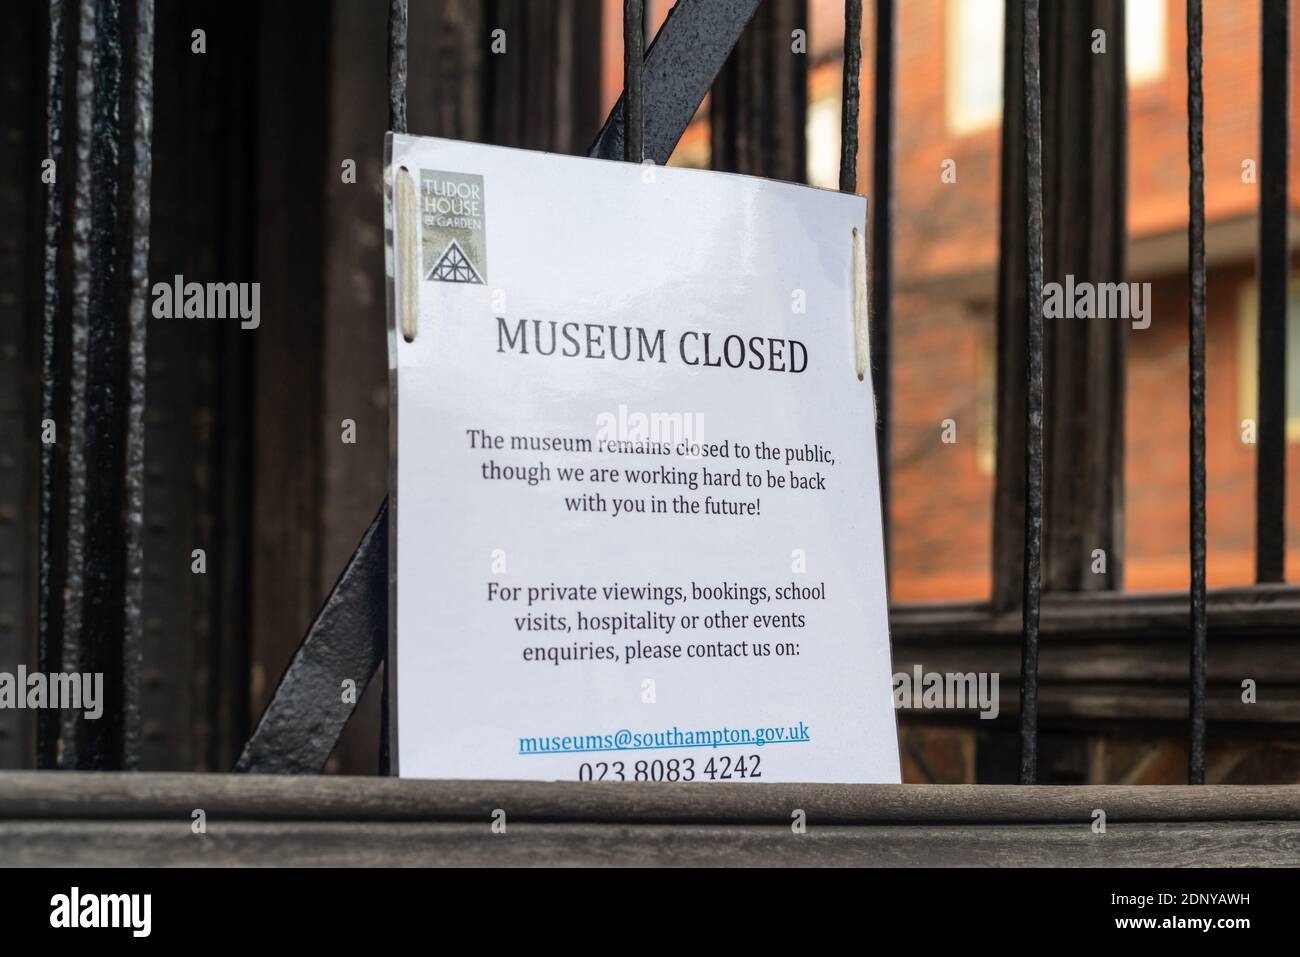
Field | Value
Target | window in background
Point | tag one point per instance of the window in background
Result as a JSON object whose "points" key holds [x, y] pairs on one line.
{"points": [[986, 385], [974, 56], [974, 64], [823, 131], [1144, 40], [1248, 356]]}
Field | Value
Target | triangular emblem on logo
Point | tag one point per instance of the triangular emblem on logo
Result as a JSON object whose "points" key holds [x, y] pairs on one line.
{"points": [[454, 266]]}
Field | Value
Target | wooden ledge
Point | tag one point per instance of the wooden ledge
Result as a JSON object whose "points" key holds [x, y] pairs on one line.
{"points": [[144, 819], [52, 795]]}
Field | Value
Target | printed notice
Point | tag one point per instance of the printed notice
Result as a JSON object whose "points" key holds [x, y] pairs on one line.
{"points": [[635, 516]]}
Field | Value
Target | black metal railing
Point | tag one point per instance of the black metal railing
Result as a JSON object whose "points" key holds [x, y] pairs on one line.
{"points": [[1274, 271], [96, 283], [98, 121], [1032, 126], [1196, 386]]}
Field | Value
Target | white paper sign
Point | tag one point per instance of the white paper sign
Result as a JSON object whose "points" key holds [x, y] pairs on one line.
{"points": [[636, 520]]}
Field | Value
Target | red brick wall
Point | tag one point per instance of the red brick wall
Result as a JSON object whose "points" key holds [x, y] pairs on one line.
{"points": [[946, 260]]}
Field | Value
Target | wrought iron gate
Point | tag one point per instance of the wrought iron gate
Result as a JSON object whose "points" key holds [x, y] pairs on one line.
{"points": [[94, 513]]}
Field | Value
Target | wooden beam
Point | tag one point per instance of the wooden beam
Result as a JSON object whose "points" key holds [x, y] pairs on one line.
{"points": [[1084, 194], [73, 819], [1118, 656], [1236, 612], [63, 796], [246, 843], [1084, 158]]}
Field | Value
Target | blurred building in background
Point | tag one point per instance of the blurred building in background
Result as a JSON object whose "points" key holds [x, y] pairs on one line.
{"points": [[950, 108]]}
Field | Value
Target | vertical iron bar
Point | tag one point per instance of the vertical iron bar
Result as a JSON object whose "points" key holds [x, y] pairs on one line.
{"points": [[397, 27], [47, 729], [397, 20], [851, 93], [96, 77], [633, 57], [1274, 266], [96, 500], [139, 159], [1012, 329], [882, 240], [1196, 382], [1034, 399]]}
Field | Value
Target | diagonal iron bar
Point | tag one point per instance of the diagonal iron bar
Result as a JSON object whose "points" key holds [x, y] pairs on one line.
{"points": [[309, 710], [687, 53]]}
